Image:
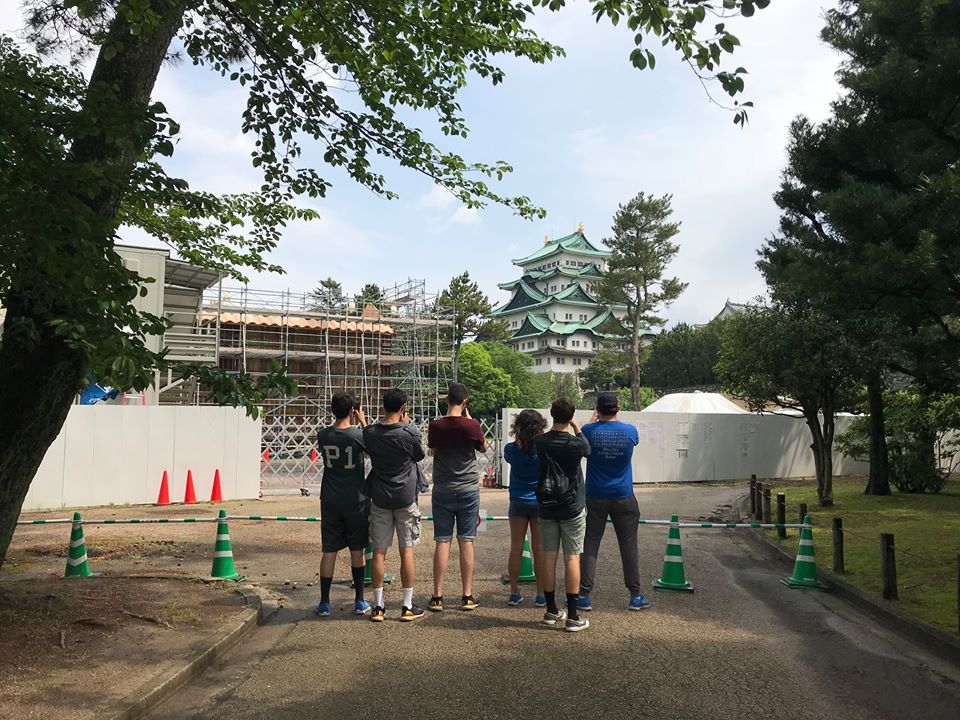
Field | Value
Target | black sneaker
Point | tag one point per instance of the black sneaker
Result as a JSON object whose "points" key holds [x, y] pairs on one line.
{"points": [[409, 614], [468, 603], [377, 614], [436, 603]]}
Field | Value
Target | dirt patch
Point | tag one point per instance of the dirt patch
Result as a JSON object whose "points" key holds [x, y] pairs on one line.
{"points": [[76, 648]]}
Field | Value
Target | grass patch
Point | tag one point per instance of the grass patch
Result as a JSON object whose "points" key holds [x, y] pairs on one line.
{"points": [[927, 537]]}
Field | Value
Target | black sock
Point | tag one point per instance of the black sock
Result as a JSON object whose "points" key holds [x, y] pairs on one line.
{"points": [[325, 583], [572, 606], [358, 581], [551, 597]]}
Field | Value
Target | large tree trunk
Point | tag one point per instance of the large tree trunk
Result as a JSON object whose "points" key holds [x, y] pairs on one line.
{"points": [[635, 368], [826, 451], [822, 459], [39, 373], [878, 481], [38, 382]]}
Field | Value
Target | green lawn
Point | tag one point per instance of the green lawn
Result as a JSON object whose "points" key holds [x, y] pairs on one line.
{"points": [[927, 538]]}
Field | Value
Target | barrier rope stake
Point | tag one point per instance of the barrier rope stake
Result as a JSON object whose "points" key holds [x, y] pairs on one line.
{"points": [[805, 567], [673, 577], [77, 565]]}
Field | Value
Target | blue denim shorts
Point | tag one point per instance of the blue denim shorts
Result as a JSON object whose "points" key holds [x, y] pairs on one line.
{"points": [[462, 510], [531, 511]]}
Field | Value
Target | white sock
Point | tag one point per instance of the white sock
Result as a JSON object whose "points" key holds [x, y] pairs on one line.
{"points": [[408, 597], [378, 597]]}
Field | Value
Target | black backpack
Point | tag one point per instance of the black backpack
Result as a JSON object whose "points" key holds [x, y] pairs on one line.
{"points": [[554, 488]]}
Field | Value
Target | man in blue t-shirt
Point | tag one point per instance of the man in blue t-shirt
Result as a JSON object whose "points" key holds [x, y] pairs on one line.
{"points": [[610, 494]]}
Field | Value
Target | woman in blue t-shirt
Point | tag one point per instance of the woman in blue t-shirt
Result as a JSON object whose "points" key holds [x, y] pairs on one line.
{"points": [[524, 511]]}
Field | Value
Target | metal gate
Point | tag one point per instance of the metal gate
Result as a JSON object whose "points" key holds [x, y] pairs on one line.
{"points": [[289, 458]]}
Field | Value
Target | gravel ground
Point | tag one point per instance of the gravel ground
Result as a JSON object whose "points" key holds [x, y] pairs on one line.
{"points": [[742, 644]]}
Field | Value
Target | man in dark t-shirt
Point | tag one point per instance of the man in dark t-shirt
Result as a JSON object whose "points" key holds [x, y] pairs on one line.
{"points": [[560, 452], [344, 509], [454, 441]]}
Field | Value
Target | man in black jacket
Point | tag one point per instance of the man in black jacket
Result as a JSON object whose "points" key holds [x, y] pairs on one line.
{"points": [[563, 522]]}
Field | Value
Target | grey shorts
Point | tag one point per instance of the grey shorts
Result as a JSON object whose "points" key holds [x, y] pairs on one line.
{"points": [[569, 532], [383, 521]]}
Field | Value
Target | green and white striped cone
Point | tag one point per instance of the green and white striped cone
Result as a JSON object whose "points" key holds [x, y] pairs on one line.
{"points": [[223, 567], [673, 576], [77, 565], [368, 561], [527, 575], [805, 567]]}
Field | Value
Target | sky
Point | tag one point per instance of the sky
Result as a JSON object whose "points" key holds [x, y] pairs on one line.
{"points": [[583, 133]]}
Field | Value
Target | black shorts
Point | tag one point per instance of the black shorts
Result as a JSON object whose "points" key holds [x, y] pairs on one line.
{"points": [[344, 526]]}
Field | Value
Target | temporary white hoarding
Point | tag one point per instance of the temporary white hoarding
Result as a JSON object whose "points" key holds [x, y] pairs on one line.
{"points": [[110, 454], [678, 447]]}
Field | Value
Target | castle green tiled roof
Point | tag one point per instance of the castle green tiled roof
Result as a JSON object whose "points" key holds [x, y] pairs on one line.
{"points": [[575, 244], [535, 324], [528, 297], [590, 271]]}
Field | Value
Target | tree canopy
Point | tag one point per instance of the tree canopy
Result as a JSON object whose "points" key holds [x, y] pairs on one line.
{"points": [[683, 357]]}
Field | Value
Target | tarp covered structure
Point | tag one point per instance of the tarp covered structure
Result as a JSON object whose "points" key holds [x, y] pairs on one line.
{"points": [[698, 403]]}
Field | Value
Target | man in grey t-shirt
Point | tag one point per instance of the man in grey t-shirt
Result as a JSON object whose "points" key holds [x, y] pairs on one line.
{"points": [[394, 447], [454, 441]]}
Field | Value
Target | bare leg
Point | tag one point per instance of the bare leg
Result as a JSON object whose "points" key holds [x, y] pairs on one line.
{"points": [[571, 568], [356, 560], [550, 570], [328, 563], [537, 553], [376, 566], [441, 556], [518, 531], [466, 564], [407, 570]]}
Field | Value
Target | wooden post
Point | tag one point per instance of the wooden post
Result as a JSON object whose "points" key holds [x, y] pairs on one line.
{"points": [[781, 515], [838, 545], [802, 511], [888, 566], [758, 515], [753, 495], [766, 505]]}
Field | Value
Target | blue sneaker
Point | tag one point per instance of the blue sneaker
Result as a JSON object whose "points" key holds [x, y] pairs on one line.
{"points": [[638, 603], [322, 609], [584, 603], [515, 599], [540, 601], [361, 607]]}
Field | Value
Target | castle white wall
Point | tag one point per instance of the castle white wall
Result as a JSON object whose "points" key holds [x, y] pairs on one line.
{"points": [[681, 447], [109, 454]]}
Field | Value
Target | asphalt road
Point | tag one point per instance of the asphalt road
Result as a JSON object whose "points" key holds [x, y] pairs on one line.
{"points": [[741, 645]]}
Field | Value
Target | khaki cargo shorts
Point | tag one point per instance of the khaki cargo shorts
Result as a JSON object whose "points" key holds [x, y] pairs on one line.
{"points": [[383, 522], [568, 532]]}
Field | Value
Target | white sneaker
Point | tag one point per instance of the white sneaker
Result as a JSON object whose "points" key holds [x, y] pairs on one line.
{"points": [[576, 625], [550, 618]]}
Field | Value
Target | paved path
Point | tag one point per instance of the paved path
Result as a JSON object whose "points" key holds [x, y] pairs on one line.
{"points": [[742, 645]]}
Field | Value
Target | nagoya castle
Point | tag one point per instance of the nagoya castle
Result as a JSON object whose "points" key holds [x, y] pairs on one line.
{"points": [[552, 314]]}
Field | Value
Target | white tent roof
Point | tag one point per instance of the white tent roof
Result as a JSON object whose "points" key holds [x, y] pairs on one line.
{"points": [[696, 402]]}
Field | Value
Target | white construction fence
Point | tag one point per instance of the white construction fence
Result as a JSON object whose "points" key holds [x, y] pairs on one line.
{"points": [[109, 454], [686, 447]]}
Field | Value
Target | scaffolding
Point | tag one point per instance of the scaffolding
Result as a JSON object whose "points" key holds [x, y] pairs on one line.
{"points": [[331, 344]]}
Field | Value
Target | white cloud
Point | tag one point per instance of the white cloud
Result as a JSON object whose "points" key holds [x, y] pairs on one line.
{"points": [[437, 198], [464, 216]]}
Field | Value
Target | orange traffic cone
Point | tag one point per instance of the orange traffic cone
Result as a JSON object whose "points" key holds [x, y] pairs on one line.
{"points": [[216, 495], [164, 497], [190, 495]]}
